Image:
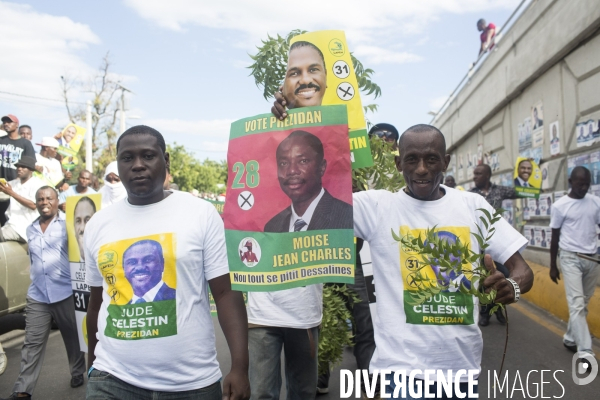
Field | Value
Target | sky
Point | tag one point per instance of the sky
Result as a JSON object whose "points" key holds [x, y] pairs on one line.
{"points": [[185, 61]]}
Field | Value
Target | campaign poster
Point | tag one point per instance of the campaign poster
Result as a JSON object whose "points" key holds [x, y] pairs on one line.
{"points": [[79, 210], [595, 167], [525, 140], [526, 210], [508, 214], [69, 140], [546, 237], [537, 117], [554, 139], [538, 236], [545, 204], [522, 140], [533, 206], [584, 132], [529, 233], [288, 209], [219, 205], [527, 178], [340, 86], [479, 154]]}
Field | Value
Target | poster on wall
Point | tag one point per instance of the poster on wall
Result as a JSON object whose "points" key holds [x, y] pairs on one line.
{"points": [[595, 167], [533, 207], [537, 117], [554, 139], [538, 236], [545, 204], [529, 233], [527, 178], [585, 133], [508, 207]]}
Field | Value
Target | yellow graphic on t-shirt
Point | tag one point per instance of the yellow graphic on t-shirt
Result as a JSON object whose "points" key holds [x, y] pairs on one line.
{"points": [[141, 281], [132, 267], [449, 307]]}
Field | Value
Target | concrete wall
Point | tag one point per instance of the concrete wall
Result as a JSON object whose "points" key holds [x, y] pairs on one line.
{"points": [[550, 55]]}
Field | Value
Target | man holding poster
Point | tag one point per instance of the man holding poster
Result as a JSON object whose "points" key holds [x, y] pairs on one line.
{"points": [[298, 246]]}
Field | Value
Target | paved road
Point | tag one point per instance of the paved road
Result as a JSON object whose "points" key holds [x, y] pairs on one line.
{"points": [[534, 345]]}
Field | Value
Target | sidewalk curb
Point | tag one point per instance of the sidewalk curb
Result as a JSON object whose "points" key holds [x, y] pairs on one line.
{"points": [[551, 297]]}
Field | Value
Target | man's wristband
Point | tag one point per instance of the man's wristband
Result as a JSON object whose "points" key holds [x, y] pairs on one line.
{"points": [[516, 288]]}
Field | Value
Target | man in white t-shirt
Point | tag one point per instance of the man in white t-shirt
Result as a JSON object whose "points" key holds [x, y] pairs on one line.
{"points": [[21, 210], [443, 334], [573, 221], [150, 347]]}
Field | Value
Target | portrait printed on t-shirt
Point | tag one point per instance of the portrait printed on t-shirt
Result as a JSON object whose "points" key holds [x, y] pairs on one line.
{"points": [[141, 281]]}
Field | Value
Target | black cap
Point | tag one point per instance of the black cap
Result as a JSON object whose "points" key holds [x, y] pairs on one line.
{"points": [[27, 162], [385, 127]]}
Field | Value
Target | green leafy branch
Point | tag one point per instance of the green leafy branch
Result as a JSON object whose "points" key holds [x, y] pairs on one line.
{"points": [[383, 173], [335, 334], [451, 259]]}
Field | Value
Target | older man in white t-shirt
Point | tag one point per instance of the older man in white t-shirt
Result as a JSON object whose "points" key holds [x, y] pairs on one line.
{"points": [[573, 222], [408, 337]]}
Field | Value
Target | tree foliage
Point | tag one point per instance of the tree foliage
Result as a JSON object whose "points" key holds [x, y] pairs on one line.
{"points": [[104, 86], [189, 173]]}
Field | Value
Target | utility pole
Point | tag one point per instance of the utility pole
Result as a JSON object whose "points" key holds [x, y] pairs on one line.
{"points": [[88, 141], [122, 125]]}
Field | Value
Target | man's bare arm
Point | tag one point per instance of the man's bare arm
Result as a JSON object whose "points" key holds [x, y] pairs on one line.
{"points": [[554, 273], [519, 271], [22, 200], [92, 321], [234, 322]]}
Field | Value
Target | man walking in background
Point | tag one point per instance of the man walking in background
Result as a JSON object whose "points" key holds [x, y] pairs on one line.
{"points": [[573, 221], [50, 296]]}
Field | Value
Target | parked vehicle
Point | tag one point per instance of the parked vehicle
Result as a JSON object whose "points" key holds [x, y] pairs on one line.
{"points": [[14, 276]]}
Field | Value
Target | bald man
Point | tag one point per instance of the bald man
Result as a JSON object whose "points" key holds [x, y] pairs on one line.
{"points": [[424, 204], [573, 221]]}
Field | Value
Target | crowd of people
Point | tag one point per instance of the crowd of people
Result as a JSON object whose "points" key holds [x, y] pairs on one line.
{"points": [[172, 247]]}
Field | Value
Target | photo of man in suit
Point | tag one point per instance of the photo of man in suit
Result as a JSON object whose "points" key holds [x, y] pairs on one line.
{"points": [[524, 171], [538, 122], [143, 263], [301, 165], [84, 210]]}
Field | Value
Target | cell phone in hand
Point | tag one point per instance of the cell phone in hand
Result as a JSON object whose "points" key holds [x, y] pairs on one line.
{"points": [[3, 181]]}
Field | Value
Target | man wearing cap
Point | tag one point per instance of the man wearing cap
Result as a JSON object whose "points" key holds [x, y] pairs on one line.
{"points": [[12, 148], [387, 132], [46, 163], [21, 211]]}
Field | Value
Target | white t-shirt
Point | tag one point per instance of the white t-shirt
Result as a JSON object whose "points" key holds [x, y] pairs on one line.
{"points": [[52, 170], [167, 344], [577, 220], [299, 308], [19, 216], [442, 333]]}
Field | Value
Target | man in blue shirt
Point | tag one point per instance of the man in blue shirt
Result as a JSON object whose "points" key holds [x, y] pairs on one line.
{"points": [[49, 297]]}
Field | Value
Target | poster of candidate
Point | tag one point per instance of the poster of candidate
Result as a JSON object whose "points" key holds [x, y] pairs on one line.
{"points": [[69, 140], [545, 204], [584, 132], [79, 210], [288, 211], [334, 81], [141, 278], [554, 139], [527, 178]]}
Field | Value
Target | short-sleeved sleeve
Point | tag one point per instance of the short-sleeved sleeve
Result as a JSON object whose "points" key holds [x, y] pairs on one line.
{"points": [[92, 274], [365, 214], [556, 217], [215, 252], [505, 241]]}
